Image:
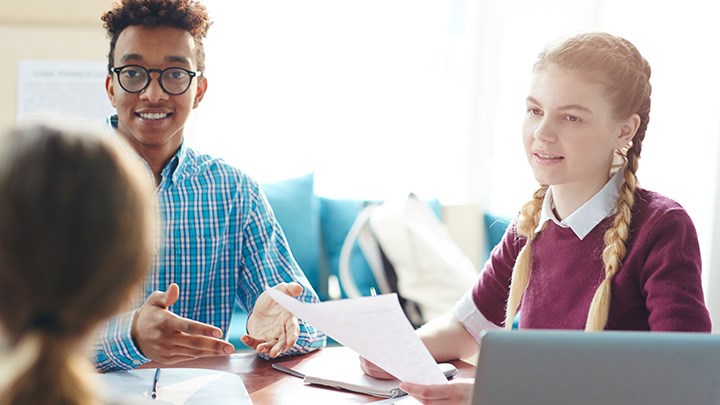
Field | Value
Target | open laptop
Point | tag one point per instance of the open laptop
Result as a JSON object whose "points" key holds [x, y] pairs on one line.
{"points": [[576, 367]]}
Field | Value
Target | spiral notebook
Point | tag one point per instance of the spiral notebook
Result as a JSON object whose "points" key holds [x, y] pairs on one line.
{"points": [[325, 371]]}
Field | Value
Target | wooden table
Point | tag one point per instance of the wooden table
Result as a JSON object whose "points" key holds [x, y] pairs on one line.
{"points": [[269, 386]]}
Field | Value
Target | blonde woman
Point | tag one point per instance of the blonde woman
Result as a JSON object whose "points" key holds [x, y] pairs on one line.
{"points": [[591, 250], [76, 233]]}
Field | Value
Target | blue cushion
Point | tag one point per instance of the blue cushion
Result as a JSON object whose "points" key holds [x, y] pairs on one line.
{"points": [[238, 326], [297, 209], [336, 219], [495, 227]]}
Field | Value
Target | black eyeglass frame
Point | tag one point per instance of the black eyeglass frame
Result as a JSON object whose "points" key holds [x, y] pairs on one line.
{"points": [[161, 72]]}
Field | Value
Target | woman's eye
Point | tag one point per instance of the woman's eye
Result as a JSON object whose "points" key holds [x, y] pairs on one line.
{"points": [[572, 118], [534, 111]]}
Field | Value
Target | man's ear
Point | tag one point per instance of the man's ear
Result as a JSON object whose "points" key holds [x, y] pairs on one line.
{"points": [[201, 88], [110, 88], [628, 129]]}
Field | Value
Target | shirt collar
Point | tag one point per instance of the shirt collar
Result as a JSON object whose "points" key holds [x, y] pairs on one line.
{"points": [[590, 214], [111, 122], [173, 166]]}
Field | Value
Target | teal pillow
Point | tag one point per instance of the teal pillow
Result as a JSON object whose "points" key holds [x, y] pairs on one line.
{"points": [[297, 209], [336, 219], [495, 227]]}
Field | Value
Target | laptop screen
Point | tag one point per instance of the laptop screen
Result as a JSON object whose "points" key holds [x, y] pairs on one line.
{"points": [[613, 367]]}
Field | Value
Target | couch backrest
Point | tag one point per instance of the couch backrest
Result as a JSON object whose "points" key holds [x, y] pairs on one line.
{"points": [[316, 227]]}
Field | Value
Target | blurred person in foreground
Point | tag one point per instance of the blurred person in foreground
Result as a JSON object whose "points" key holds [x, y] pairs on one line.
{"points": [[77, 225]]}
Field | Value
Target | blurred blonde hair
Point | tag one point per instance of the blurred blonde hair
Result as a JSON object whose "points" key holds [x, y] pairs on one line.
{"points": [[76, 231], [625, 74]]}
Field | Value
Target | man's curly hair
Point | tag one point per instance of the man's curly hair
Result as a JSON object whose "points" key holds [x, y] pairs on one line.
{"points": [[188, 15]]}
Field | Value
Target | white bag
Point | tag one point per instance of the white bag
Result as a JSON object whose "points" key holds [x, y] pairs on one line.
{"points": [[432, 272]]}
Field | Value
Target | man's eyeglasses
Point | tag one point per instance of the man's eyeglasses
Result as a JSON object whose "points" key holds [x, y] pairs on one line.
{"points": [[173, 80]]}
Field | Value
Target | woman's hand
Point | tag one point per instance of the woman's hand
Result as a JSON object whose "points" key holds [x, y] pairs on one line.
{"points": [[457, 391]]}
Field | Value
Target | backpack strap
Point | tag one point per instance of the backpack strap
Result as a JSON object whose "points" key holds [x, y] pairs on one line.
{"points": [[361, 234]]}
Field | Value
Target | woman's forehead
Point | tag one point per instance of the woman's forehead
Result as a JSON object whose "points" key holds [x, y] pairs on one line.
{"points": [[558, 87]]}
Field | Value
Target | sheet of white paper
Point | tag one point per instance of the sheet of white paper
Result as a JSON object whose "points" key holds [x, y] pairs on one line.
{"points": [[176, 386], [376, 328]]}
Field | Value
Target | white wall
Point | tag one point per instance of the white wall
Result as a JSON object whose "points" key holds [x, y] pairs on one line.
{"points": [[46, 29], [384, 96]]}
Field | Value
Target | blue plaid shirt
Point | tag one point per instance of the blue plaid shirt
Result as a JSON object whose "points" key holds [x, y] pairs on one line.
{"points": [[221, 244]]}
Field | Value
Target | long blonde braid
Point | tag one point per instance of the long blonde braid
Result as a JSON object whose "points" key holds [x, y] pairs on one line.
{"points": [[525, 225], [615, 242]]}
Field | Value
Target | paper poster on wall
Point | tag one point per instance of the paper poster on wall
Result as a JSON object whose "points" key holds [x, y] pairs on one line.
{"points": [[68, 88]]}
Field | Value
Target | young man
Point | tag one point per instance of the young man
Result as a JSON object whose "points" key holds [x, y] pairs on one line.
{"points": [[220, 242]]}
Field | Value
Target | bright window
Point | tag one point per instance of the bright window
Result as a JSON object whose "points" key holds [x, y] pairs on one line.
{"points": [[384, 96]]}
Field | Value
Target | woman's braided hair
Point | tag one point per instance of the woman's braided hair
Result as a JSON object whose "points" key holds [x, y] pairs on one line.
{"points": [[625, 75]]}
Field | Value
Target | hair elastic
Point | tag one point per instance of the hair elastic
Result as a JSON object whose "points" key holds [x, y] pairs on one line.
{"points": [[45, 322]]}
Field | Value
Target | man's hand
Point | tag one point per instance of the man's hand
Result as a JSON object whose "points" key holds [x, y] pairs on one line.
{"points": [[457, 391], [272, 329], [167, 338]]}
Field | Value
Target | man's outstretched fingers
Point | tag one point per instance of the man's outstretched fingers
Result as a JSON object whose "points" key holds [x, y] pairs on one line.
{"points": [[200, 346], [278, 348], [166, 337], [195, 328], [292, 332], [250, 341]]}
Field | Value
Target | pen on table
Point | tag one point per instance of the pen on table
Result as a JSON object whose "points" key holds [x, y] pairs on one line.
{"points": [[372, 291], [156, 379]]}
